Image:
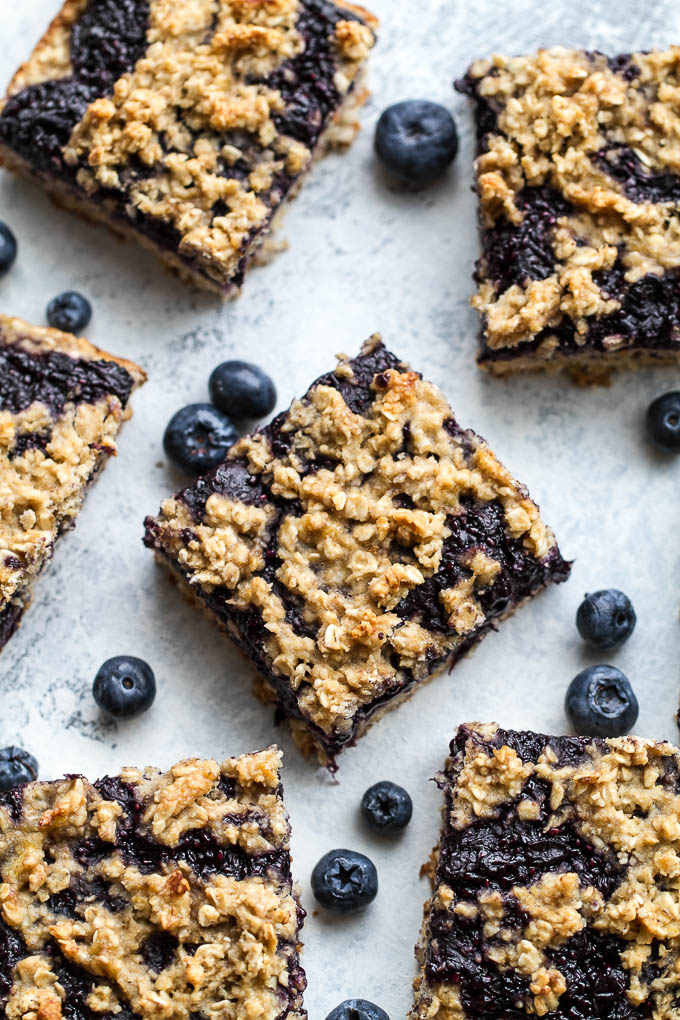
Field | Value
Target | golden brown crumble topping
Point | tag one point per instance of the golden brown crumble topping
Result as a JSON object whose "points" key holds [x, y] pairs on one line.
{"points": [[42, 487], [366, 526], [621, 796], [228, 939], [561, 115]]}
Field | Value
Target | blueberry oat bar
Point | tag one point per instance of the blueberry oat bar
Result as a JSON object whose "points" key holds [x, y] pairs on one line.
{"points": [[186, 123], [151, 895], [556, 880], [62, 403], [578, 178], [357, 545]]}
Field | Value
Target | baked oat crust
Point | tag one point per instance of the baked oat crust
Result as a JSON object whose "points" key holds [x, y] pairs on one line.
{"points": [[151, 895], [578, 178], [357, 546]]}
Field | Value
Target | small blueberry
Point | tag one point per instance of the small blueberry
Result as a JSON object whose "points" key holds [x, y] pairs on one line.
{"points": [[600, 702], [605, 619], [663, 422], [416, 140], [8, 248], [386, 807], [16, 767], [198, 437], [242, 390], [69, 312], [124, 686], [357, 1009], [344, 881]]}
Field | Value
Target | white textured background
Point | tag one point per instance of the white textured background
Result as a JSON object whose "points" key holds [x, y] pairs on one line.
{"points": [[363, 257]]}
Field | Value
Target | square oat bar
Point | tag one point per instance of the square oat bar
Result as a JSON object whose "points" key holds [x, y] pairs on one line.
{"points": [[358, 544], [556, 880], [578, 179], [151, 895], [62, 403], [186, 124]]}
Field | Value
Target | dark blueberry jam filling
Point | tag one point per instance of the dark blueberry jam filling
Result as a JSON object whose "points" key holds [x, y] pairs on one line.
{"points": [[670, 773], [12, 949], [80, 892], [198, 847], [10, 615], [106, 42], [232, 480], [78, 985], [294, 605], [481, 526], [518, 253], [55, 380], [307, 81], [458, 953], [320, 463], [504, 852], [570, 751], [639, 183], [37, 122], [30, 441], [590, 963], [465, 438], [357, 392], [623, 65], [649, 318], [485, 110], [13, 801], [650, 308], [595, 977], [297, 980], [158, 950]]}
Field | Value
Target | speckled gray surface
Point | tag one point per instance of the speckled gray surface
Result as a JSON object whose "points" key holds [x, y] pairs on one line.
{"points": [[362, 258]]}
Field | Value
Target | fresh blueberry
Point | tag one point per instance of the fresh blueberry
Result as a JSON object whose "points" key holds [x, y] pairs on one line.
{"points": [[600, 702], [198, 437], [124, 686], [605, 619], [344, 881], [242, 390], [16, 767], [416, 140], [8, 248], [387, 807], [663, 422], [69, 312], [357, 1009]]}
